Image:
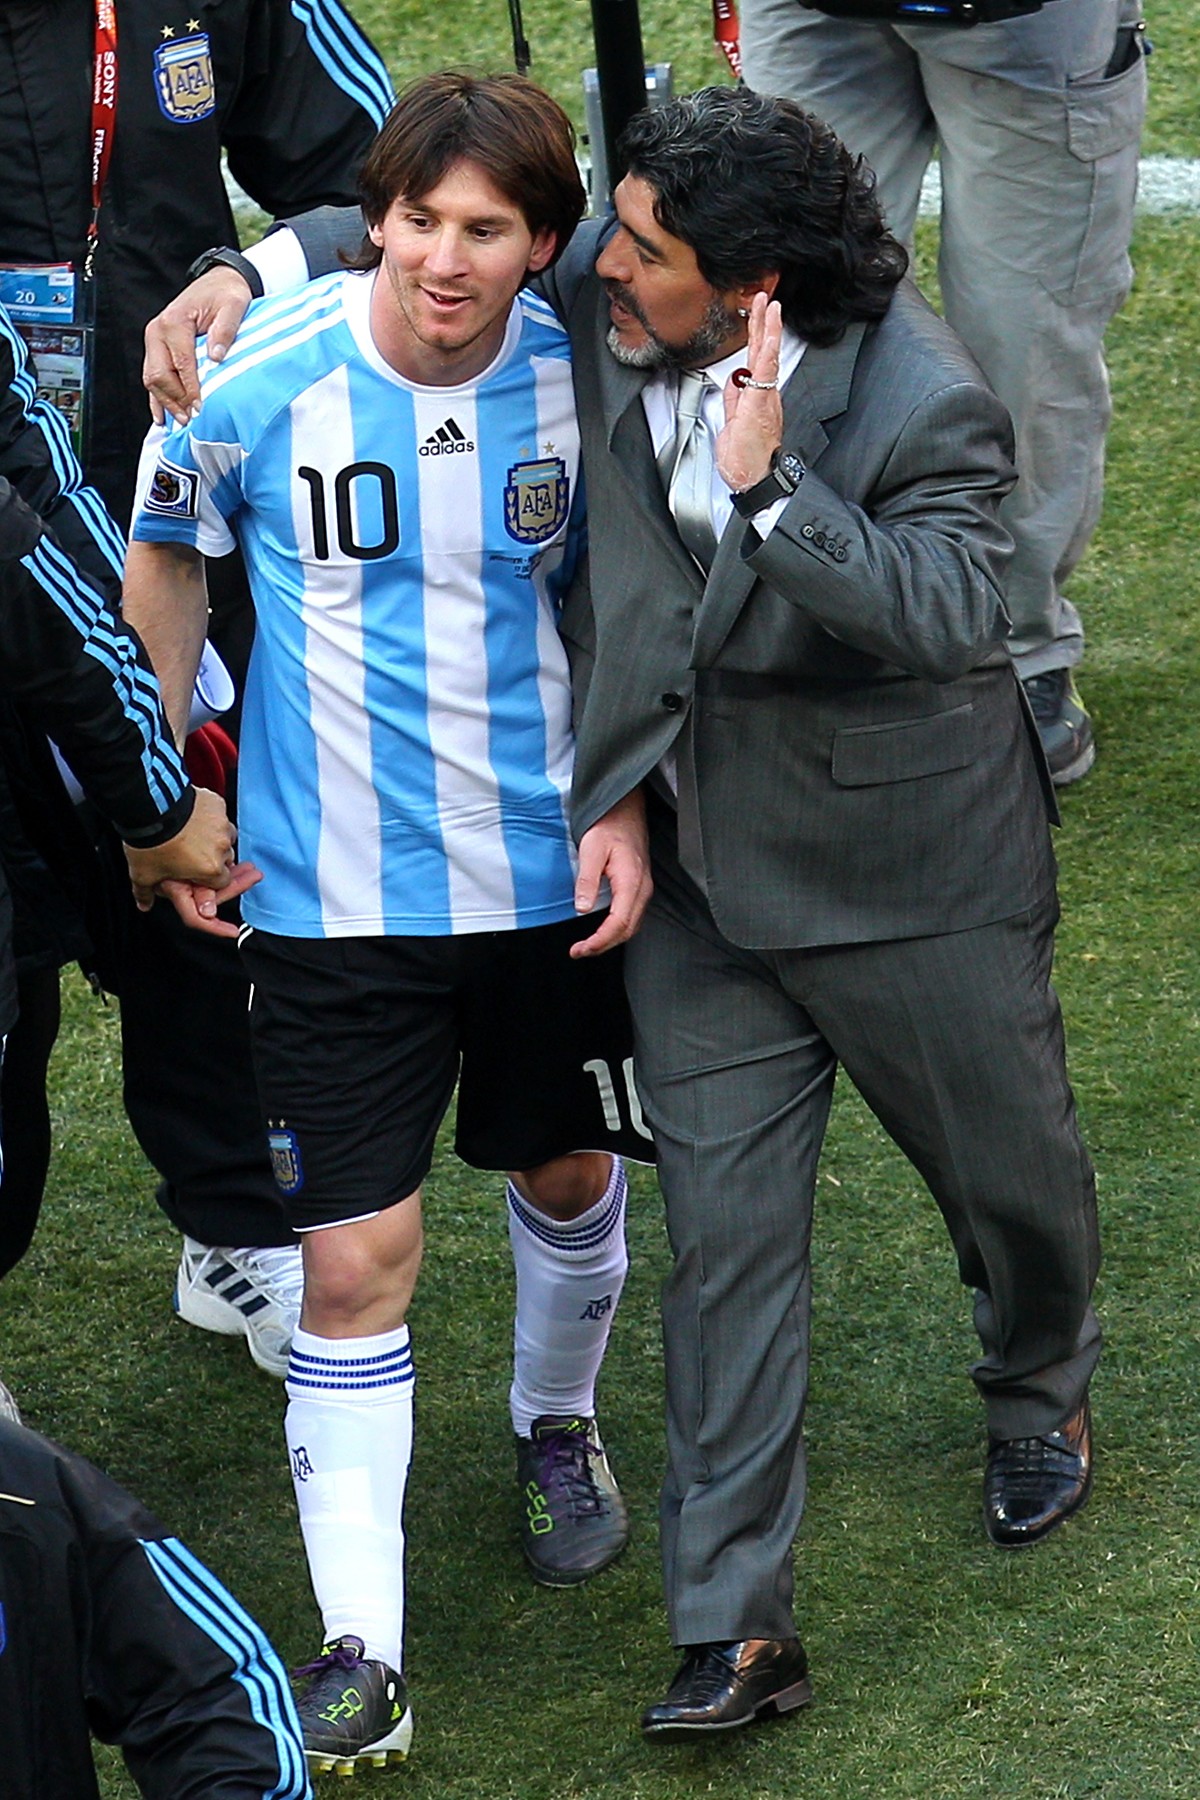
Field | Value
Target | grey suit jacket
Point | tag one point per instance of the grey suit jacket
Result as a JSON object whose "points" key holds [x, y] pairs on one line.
{"points": [[864, 763]]}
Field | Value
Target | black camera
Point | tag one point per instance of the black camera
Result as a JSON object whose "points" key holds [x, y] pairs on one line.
{"points": [[927, 12]]}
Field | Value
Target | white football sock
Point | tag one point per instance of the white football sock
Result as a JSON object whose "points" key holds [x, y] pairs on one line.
{"points": [[349, 1428], [569, 1279]]}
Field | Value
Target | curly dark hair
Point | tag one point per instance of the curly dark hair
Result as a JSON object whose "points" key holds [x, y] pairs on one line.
{"points": [[756, 186]]}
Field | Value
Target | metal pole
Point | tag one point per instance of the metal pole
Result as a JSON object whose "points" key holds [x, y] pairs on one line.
{"points": [[522, 55], [621, 70]]}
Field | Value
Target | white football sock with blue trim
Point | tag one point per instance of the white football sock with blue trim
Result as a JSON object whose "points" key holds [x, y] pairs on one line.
{"points": [[569, 1280], [349, 1429]]}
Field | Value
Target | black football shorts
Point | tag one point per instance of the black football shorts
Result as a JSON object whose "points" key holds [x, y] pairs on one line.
{"points": [[358, 1043]]}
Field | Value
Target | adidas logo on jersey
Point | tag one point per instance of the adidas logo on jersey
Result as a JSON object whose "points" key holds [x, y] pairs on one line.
{"points": [[447, 440]]}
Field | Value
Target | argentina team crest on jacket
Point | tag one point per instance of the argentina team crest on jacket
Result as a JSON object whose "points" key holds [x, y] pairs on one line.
{"points": [[183, 76], [537, 499]]}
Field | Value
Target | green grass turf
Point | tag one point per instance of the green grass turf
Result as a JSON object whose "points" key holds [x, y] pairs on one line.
{"points": [[942, 1668], [416, 36]]}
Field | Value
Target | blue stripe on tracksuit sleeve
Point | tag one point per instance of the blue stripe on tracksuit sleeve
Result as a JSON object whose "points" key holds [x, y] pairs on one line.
{"points": [[136, 690], [136, 687], [199, 1595], [348, 57], [49, 422]]}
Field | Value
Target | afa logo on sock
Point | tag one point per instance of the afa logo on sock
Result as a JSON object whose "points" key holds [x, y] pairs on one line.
{"points": [[286, 1165], [301, 1464]]}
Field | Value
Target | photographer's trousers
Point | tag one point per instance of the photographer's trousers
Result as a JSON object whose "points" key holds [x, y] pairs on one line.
{"points": [[1037, 150]]}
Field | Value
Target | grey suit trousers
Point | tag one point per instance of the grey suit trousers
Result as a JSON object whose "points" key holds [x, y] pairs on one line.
{"points": [[956, 1044], [1038, 157]]}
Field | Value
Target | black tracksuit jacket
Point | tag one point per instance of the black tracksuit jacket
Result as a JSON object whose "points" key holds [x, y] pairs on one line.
{"points": [[109, 1626], [64, 653], [294, 101]]}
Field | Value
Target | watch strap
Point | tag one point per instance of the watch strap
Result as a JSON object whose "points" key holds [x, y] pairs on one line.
{"points": [[776, 484], [222, 255]]}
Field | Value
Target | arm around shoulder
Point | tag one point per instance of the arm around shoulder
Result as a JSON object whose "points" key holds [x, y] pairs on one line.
{"points": [[561, 283]]}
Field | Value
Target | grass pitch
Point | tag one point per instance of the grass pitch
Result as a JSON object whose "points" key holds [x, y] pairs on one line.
{"points": [[941, 1667]]}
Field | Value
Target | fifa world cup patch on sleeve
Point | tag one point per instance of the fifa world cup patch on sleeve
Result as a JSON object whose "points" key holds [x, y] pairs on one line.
{"points": [[286, 1166], [173, 492]]}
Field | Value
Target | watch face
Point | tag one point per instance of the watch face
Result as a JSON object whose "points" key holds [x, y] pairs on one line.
{"points": [[790, 467]]}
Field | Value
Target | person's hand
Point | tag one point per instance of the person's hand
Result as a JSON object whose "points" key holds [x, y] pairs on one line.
{"points": [[195, 869], [215, 304], [197, 905], [614, 847], [753, 428]]}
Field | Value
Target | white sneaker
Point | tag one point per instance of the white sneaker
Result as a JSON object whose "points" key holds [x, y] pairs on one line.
{"points": [[254, 1294]]}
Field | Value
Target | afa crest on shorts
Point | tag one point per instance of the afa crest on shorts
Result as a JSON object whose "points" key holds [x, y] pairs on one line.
{"points": [[537, 499], [183, 76], [286, 1166]]}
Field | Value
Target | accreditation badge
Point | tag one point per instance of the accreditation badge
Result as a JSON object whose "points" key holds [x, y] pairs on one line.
{"points": [[183, 78], [43, 302]]}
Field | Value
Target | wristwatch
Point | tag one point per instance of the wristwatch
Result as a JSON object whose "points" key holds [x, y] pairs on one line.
{"points": [[782, 479], [221, 254]]}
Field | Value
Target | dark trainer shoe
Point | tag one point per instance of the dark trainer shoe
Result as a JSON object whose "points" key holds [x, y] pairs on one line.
{"points": [[353, 1710], [1031, 1485], [1063, 725], [573, 1520], [720, 1687]]}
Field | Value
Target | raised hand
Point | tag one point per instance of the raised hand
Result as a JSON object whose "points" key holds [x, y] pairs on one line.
{"points": [[753, 428]]}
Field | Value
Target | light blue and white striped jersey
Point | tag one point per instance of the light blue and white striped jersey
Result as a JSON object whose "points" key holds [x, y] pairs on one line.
{"points": [[406, 734]]}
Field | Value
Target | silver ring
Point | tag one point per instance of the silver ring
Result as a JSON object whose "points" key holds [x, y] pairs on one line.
{"points": [[766, 386]]}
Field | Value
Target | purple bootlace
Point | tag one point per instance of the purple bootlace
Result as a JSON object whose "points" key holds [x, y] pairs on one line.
{"points": [[564, 1460], [347, 1653]]}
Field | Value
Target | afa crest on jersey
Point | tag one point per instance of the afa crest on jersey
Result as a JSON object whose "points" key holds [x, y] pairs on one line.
{"points": [[183, 76], [537, 499]]}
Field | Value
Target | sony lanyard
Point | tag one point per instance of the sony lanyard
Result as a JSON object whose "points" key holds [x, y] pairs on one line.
{"points": [[53, 305], [104, 119]]}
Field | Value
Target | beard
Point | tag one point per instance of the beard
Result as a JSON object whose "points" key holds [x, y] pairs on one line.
{"points": [[709, 339]]}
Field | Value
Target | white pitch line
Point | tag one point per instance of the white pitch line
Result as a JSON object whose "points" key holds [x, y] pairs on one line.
{"points": [[1169, 184], [1165, 184]]}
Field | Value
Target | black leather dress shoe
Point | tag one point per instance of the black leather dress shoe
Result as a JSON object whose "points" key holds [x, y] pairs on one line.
{"points": [[1033, 1484], [722, 1686]]}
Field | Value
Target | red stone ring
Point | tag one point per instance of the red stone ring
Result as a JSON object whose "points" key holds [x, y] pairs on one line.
{"points": [[742, 378]]}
